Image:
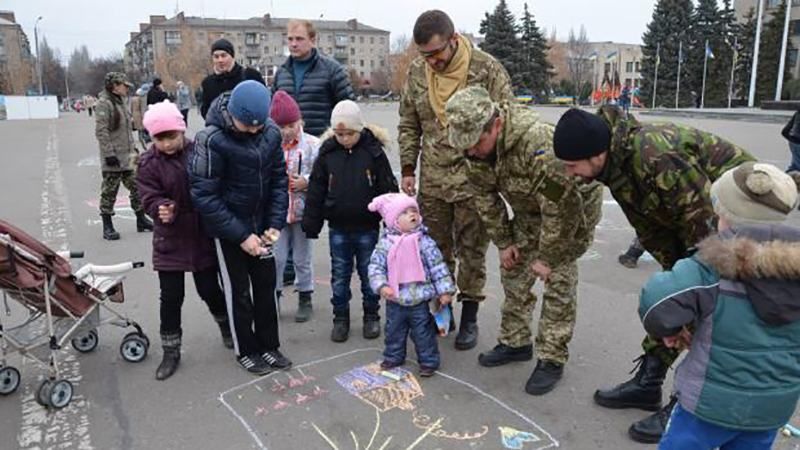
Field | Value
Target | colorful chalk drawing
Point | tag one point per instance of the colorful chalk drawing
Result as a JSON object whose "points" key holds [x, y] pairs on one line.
{"points": [[347, 402]]}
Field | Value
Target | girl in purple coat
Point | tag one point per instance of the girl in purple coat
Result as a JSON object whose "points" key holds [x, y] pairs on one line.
{"points": [[179, 243]]}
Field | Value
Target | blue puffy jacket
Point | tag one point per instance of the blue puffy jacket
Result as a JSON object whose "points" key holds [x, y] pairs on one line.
{"points": [[324, 85], [238, 180]]}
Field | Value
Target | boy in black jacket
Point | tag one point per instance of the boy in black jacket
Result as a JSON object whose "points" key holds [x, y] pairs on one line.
{"points": [[351, 170]]}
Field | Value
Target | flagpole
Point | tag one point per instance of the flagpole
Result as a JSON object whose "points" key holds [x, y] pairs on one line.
{"points": [[680, 58], [705, 66], [782, 65], [754, 69], [733, 69], [655, 81]]}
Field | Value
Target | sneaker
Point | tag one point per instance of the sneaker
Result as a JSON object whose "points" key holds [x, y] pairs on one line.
{"points": [[388, 365], [276, 360], [426, 372], [254, 364]]}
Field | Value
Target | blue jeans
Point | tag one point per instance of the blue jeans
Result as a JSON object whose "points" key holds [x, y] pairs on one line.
{"points": [[795, 164], [347, 246], [400, 320], [687, 432]]}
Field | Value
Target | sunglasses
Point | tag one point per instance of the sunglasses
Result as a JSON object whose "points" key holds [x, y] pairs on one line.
{"points": [[435, 52]]}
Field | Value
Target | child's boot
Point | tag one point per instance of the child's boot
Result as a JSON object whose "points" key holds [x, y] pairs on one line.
{"points": [[304, 307], [341, 327]]}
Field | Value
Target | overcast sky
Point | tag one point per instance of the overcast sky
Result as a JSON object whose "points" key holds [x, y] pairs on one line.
{"points": [[104, 25]]}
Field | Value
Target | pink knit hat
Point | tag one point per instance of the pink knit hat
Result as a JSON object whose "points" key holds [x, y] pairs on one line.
{"points": [[161, 117], [390, 206], [284, 109]]}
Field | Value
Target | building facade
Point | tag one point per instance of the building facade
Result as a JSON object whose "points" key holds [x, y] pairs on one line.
{"points": [[179, 47], [16, 61], [743, 8], [612, 59]]}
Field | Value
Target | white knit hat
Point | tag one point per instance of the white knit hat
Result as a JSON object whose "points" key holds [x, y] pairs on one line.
{"points": [[754, 192], [347, 114]]}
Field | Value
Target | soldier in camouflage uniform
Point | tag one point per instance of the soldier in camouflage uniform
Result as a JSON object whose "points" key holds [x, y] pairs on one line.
{"points": [[447, 63], [553, 224], [113, 129], [660, 175]]}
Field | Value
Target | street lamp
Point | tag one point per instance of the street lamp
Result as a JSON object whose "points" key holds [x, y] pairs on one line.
{"points": [[38, 56]]}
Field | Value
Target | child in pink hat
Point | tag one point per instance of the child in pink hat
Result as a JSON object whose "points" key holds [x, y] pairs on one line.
{"points": [[179, 242], [408, 271]]}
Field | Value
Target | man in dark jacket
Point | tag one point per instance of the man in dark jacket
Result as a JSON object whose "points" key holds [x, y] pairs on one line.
{"points": [[156, 93], [239, 186], [317, 82], [792, 134], [227, 74]]}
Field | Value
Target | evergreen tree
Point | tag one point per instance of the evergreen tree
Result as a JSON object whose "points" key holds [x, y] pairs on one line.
{"points": [[769, 55], [501, 41], [668, 28], [744, 60], [535, 68]]}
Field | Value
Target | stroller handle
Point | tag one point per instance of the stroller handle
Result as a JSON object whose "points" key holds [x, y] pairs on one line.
{"points": [[113, 269], [68, 254]]}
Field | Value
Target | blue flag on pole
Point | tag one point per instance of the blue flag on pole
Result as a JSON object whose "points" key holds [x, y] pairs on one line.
{"points": [[709, 53]]}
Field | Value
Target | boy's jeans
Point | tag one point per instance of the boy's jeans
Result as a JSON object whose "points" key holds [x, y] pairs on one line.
{"points": [[686, 431], [419, 321], [347, 246], [795, 164]]}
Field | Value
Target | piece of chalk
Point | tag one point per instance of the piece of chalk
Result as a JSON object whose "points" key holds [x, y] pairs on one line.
{"points": [[794, 431], [391, 375]]}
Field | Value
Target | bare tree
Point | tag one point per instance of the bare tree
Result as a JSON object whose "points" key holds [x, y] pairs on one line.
{"points": [[403, 53], [187, 62], [579, 64]]}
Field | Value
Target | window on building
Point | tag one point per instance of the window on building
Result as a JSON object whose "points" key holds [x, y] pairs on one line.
{"points": [[383, 40], [794, 27], [637, 82], [372, 63], [172, 37], [361, 39], [330, 38], [372, 39], [383, 63], [353, 39], [607, 67], [638, 66], [361, 62], [362, 74], [791, 57], [341, 40], [251, 38], [629, 67], [252, 62], [264, 37], [628, 82], [352, 51]]}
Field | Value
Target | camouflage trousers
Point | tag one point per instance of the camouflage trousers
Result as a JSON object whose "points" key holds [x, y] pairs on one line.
{"points": [[654, 346], [110, 187], [461, 236]]}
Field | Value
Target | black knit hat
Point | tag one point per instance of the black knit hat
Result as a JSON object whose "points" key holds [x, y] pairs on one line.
{"points": [[580, 135], [224, 45], [156, 82]]}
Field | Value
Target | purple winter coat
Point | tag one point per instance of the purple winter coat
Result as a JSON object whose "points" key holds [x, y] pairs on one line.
{"points": [[183, 245]]}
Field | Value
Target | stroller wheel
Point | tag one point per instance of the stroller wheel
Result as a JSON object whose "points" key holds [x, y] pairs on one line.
{"points": [[43, 393], [141, 335], [133, 348], [86, 343], [60, 394], [9, 380]]}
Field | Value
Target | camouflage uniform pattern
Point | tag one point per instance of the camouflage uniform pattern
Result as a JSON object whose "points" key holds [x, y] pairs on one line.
{"points": [[661, 176], [554, 217], [114, 133], [444, 188]]}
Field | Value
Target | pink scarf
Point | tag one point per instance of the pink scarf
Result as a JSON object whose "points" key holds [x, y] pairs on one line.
{"points": [[404, 261]]}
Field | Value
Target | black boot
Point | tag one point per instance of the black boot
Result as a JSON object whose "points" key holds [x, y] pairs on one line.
{"points": [[631, 256], [143, 223], [225, 331], [504, 354], [171, 343], [372, 325], [544, 377], [303, 307], [650, 429], [109, 233], [341, 328], [467, 336], [643, 391]]}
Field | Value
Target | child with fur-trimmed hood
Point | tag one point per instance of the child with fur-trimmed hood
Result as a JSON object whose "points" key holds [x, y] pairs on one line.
{"points": [[351, 170], [735, 305]]}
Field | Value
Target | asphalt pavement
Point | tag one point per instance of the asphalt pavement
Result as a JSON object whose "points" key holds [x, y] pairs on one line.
{"points": [[333, 398]]}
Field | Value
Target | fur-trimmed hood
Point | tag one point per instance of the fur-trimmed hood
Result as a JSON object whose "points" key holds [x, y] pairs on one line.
{"points": [[766, 260], [380, 133]]}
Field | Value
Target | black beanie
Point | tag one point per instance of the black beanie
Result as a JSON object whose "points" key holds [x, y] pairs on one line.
{"points": [[224, 45], [580, 135], [156, 82]]}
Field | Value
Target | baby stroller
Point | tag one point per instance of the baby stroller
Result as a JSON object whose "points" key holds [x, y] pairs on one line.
{"points": [[62, 307]]}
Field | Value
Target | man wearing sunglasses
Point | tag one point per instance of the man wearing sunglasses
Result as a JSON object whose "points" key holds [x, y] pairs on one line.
{"points": [[447, 63]]}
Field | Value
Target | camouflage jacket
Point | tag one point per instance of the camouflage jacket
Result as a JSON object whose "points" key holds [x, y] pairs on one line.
{"points": [[661, 175], [422, 136], [114, 132], [536, 186]]}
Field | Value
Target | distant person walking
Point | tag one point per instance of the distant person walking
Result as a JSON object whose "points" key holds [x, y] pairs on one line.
{"points": [[183, 100], [792, 134], [227, 74], [157, 93]]}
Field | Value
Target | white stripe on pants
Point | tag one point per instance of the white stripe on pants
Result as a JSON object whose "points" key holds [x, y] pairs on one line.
{"points": [[293, 237], [226, 288]]}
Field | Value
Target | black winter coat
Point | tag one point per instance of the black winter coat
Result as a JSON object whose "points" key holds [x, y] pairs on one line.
{"points": [[214, 85], [238, 180], [155, 95], [325, 84], [792, 129], [343, 182]]}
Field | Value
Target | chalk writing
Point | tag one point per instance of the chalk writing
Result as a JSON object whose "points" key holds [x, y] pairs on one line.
{"points": [[424, 422]]}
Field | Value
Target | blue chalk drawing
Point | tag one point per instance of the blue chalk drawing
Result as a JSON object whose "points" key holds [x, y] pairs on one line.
{"points": [[516, 439]]}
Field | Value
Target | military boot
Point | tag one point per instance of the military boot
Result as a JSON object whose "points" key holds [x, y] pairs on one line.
{"points": [[650, 429], [643, 391], [503, 354], [467, 336], [172, 356], [143, 223], [544, 377], [109, 233], [303, 307], [341, 328], [631, 256]]}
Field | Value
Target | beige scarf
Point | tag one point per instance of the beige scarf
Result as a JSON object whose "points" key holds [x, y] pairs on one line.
{"points": [[442, 85]]}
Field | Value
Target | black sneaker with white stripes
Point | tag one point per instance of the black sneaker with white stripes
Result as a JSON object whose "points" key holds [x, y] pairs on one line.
{"points": [[254, 364], [276, 360]]}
